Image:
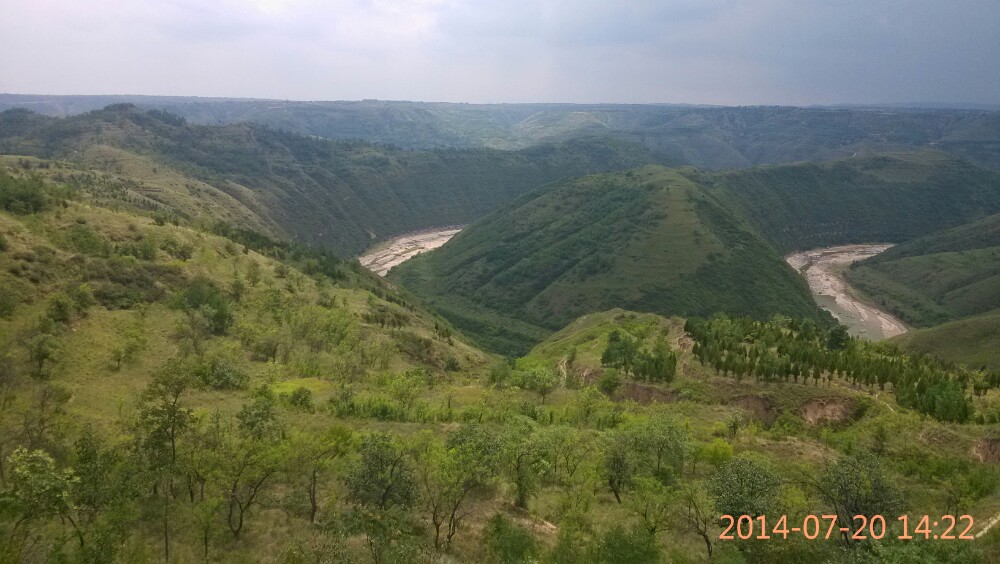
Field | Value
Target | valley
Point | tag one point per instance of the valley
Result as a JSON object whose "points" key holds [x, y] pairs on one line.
{"points": [[603, 346], [823, 270], [381, 258]]}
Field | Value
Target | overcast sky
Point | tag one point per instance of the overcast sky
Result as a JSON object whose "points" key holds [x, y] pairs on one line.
{"points": [[696, 51]]}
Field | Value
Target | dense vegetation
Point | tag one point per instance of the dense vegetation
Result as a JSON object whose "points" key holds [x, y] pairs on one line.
{"points": [[649, 240], [708, 137], [343, 195], [784, 350]]}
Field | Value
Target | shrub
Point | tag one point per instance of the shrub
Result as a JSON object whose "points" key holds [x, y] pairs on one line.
{"points": [[222, 373], [202, 292], [507, 543], [60, 308], [301, 397]]}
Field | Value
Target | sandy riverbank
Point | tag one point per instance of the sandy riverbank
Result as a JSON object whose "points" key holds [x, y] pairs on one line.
{"points": [[823, 269], [400, 249]]}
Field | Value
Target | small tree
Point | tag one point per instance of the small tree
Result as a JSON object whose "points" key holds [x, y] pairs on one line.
{"points": [[619, 463], [653, 504], [859, 485], [381, 478], [541, 381], [42, 348], [745, 486]]}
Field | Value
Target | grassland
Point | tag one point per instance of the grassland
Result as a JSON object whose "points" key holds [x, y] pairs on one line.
{"points": [[973, 341]]}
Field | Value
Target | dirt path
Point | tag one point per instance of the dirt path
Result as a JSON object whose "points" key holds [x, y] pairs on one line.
{"points": [[397, 250], [823, 269]]}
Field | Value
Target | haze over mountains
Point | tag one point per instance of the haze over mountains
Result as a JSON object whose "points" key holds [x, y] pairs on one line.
{"points": [[707, 137]]}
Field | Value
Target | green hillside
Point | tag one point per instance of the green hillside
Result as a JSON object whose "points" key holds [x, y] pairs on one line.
{"points": [[343, 195], [170, 393], [973, 341], [944, 276], [650, 240], [889, 198], [708, 137]]}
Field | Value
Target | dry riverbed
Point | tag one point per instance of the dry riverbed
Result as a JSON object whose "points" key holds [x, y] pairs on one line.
{"points": [[397, 250], [823, 270]]}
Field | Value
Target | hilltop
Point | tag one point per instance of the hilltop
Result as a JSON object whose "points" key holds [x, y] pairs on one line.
{"points": [[649, 240]]}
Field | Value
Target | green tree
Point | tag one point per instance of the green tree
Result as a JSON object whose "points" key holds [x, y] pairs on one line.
{"points": [[37, 490], [717, 453], [42, 348], [859, 485], [522, 458], [381, 478], [449, 473], [745, 486], [653, 504], [620, 463], [313, 455], [541, 381], [248, 464], [665, 442]]}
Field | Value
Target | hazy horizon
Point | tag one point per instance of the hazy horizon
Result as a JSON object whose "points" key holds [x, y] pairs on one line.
{"points": [[716, 52]]}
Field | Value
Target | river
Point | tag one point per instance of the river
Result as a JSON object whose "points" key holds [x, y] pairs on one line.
{"points": [[823, 270], [384, 256]]}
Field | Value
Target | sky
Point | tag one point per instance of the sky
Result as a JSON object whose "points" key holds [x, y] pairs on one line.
{"points": [[729, 52]]}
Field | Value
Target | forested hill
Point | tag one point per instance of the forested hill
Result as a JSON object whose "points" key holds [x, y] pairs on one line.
{"points": [[707, 137], [890, 198], [340, 194], [648, 240]]}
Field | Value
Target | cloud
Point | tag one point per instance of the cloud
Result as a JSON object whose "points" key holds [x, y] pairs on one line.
{"points": [[707, 51]]}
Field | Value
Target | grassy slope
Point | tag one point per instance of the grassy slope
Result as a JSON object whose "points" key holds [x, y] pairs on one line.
{"points": [[40, 260], [890, 198], [973, 341], [342, 195], [648, 239], [944, 276]]}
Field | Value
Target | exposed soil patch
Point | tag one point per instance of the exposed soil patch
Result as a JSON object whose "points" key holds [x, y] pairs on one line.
{"points": [[830, 410], [643, 394], [987, 450], [760, 407]]}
